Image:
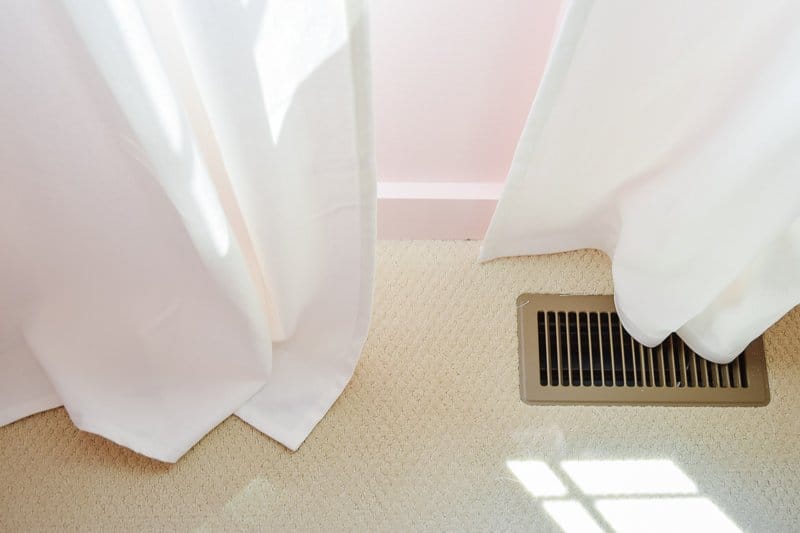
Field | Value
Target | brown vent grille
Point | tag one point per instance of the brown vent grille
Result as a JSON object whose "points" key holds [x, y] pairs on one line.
{"points": [[573, 349]]}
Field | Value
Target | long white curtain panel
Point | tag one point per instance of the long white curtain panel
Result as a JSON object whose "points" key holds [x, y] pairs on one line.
{"points": [[186, 214], [668, 135]]}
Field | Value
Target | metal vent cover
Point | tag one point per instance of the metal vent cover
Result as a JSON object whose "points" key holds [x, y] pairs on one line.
{"points": [[574, 350]]}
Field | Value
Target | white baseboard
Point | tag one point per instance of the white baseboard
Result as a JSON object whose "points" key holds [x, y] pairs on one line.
{"points": [[436, 210]]}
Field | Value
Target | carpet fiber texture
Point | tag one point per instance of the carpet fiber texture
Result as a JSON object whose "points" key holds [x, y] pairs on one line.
{"points": [[426, 435]]}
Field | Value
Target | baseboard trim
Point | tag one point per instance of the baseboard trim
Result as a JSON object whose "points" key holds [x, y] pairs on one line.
{"points": [[436, 210]]}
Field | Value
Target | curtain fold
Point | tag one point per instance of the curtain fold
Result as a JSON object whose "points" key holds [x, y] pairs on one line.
{"points": [[186, 213], [666, 134]]}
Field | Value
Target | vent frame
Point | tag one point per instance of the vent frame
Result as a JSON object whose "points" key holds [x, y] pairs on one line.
{"points": [[637, 389]]}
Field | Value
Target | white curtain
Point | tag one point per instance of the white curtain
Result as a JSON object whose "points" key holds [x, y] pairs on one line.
{"points": [[668, 135], [186, 214]]}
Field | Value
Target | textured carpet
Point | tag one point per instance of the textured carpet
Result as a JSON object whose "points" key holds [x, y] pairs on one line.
{"points": [[421, 437]]}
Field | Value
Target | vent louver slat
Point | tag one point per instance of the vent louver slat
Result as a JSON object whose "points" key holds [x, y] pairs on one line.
{"points": [[576, 350]]}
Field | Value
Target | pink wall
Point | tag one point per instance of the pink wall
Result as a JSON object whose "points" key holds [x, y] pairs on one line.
{"points": [[453, 84]]}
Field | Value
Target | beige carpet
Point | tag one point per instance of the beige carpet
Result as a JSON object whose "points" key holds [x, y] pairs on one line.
{"points": [[421, 437]]}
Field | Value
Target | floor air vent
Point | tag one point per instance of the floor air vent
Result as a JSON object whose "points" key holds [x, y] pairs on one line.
{"points": [[574, 350]]}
